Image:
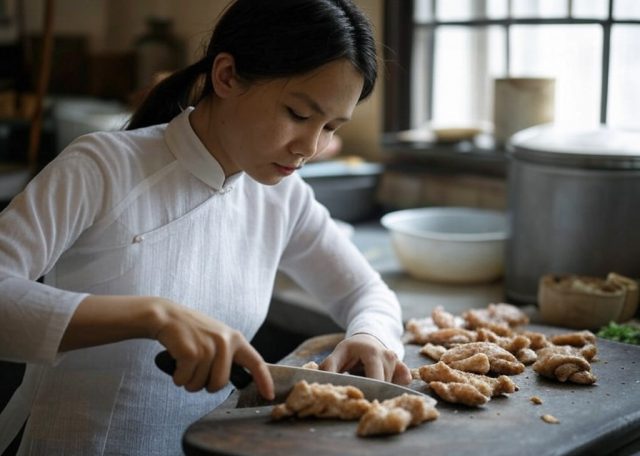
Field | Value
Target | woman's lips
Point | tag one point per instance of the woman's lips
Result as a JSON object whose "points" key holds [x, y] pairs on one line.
{"points": [[286, 170]]}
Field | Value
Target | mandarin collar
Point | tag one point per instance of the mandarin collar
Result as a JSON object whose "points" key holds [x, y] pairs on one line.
{"points": [[185, 145]]}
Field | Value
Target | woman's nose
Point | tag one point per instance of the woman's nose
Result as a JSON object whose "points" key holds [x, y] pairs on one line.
{"points": [[308, 144]]}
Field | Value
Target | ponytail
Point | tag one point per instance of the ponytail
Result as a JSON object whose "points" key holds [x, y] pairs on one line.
{"points": [[172, 95]]}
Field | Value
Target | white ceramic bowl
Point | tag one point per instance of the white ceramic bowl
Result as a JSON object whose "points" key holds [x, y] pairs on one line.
{"points": [[449, 244]]}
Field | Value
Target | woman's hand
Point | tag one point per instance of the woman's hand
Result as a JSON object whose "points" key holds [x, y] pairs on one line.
{"points": [[204, 349], [368, 352]]}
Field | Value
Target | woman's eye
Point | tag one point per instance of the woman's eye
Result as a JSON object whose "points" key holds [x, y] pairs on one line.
{"points": [[295, 115]]}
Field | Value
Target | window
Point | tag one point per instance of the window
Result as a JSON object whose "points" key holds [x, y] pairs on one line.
{"points": [[442, 67]]}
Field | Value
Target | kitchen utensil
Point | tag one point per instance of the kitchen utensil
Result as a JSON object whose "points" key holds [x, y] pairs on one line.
{"points": [[572, 204], [449, 244], [285, 377]]}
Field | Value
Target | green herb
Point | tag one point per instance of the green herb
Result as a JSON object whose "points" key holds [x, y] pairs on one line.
{"points": [[621, 333]]}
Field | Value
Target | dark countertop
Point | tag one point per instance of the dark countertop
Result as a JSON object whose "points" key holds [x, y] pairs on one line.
{"points": [[601, 419], [292, 307]]}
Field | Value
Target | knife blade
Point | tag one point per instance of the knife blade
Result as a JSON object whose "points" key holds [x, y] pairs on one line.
{"points": [[285, 377]]}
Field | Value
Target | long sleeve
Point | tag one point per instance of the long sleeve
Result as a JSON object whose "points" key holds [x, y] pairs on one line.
{"points": [[327, 264], [35, 229]]}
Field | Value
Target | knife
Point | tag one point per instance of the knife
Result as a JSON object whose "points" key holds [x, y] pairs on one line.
{"points": [[285, 377]]}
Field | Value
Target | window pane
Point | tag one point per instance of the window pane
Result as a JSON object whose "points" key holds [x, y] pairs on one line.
{"points": [[626, 9], [458, 10], [422, 11], [420, 77], [466, 61], [540, 8], [570, 54], [497, 9], [624, 88], [597, 9]]}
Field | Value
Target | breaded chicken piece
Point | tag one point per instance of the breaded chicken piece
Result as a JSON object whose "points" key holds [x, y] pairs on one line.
{"points": [[575, 339], [526, 356], [449, 337], [517, 344], [421, 408], [500, 360], [512, 344], [418, 329], [459, 393], [394, 415], [589, 352], [499, 318], [322, 401], [488, 386], [443, 319], [433, 351], [380, 420], [564, 364], [477, 363], [537, 340]]}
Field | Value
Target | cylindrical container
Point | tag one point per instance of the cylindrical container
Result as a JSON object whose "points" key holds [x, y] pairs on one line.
{"points": [[573, 206], [158, 50], [519, 103]]}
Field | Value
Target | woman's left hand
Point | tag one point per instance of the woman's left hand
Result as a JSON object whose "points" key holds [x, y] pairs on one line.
{"points": [[368, 352]]}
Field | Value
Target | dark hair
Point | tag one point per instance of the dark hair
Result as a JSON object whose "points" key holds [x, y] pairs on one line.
{"points": [[269, 39]]}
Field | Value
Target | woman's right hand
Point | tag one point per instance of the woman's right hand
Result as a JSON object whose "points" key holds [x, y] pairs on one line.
{"points": [[204, 349]]}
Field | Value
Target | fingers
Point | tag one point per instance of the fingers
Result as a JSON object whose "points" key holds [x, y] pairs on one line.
{"points": [[374, 368], [330, 363], [205, 361], [185, 369], [401, 374], [377, 361], [248, 357]]}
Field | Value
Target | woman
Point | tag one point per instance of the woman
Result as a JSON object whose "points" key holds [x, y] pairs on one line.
{"points": [[169, 235]]}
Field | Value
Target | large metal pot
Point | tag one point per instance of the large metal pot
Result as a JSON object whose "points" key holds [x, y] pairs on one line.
{"points": [[574, 206]]}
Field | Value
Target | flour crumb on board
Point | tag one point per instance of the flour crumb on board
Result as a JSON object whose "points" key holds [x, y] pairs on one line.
{"points": [[550, 419], [535, 400]]}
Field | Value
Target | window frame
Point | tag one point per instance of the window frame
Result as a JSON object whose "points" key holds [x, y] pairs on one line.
{"points": [[399, 46]]}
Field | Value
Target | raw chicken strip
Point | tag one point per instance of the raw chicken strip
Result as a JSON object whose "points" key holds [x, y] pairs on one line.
{"points": [[500, 360], [393, 416], [322, 401], [564, 364], [488, 386]]}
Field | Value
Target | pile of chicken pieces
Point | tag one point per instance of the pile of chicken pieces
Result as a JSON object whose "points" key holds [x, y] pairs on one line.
{"points": [[323, 400], [475, 354]]}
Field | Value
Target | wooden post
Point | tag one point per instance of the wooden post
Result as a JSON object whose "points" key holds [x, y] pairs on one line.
{"points": [[43, 84]]}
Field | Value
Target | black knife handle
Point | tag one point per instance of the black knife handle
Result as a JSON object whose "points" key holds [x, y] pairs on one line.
{"points": [[239, 376]]}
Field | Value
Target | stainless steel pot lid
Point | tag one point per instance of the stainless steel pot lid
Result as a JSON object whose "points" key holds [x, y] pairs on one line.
{"points": [[599, 147]]}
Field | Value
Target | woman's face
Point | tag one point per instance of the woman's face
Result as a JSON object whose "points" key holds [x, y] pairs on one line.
{"points": [[270, 129]]}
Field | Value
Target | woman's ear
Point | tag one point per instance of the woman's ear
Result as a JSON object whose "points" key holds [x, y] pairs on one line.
{"points": [[223, 75]]}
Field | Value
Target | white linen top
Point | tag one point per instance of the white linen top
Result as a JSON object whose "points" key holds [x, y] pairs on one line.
{"points": [[149, 212]]}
